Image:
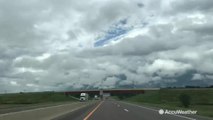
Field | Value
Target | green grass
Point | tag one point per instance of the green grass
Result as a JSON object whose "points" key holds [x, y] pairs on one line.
{"points": [[198, 96], [33, 98], [201, 99], [148, 97]]}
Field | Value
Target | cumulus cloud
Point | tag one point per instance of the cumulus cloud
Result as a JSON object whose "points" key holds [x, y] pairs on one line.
{"points": [[68, 45], [197, 77], [167, 68]]}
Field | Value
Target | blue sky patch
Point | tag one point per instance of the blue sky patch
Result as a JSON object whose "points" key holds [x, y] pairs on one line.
{"points": [[110, 35], [113, 34]]}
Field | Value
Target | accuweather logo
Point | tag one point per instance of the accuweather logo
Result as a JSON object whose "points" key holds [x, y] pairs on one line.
{"points": [[177, 112], [161, 111]]}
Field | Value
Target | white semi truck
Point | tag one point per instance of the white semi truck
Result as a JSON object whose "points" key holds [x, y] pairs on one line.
{"points": [[84, 96]]}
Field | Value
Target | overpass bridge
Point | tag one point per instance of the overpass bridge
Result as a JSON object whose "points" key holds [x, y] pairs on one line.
{"points": [[110, 91]]}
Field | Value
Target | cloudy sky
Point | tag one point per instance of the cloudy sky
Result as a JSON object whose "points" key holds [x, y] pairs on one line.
{"points": [[74, 44]]}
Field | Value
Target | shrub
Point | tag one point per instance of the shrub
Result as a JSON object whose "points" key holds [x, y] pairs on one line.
{"points": [[185, 100]]}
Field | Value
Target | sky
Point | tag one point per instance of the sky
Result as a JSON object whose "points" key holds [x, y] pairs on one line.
{"points": [[52, 45]]}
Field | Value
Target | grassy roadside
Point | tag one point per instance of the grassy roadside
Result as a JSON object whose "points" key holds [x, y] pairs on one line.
{"points": [[34, 98], [202, 110], [201, 100]]}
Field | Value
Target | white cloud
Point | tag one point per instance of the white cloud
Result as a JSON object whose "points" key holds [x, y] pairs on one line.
{"points": [[49, 45], [167, 68], [14, 83], [109, 82], [197, 77]]}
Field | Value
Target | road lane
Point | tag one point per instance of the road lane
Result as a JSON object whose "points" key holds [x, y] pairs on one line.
{"points": [[87, 117], [45, 113], [109, 110], [79, 114], [10, 108], [144, 113], [116, 110], [155, 111]]}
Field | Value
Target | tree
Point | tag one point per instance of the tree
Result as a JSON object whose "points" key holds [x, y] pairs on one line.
{"points": [[185, 100]]}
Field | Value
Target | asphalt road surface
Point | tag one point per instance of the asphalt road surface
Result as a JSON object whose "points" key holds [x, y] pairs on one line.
{"points": [[116, 110]]}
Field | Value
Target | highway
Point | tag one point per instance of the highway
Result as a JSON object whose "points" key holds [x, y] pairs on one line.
{"points": [[116, 110], [44, 113]]}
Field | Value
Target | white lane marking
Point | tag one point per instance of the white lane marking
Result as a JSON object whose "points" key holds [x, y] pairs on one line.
{"points": [[157, 111], [10, 113], [126, 110]]}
